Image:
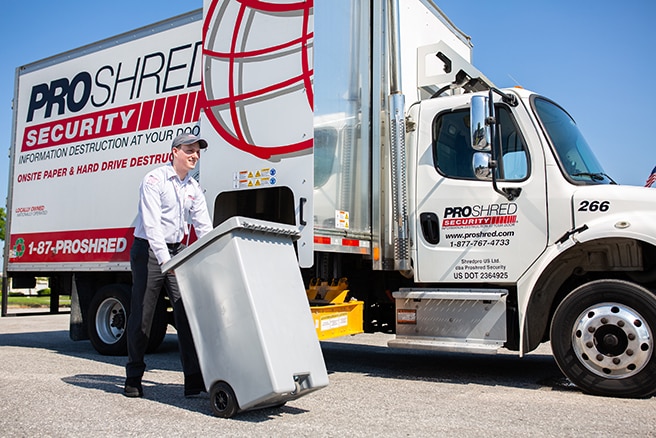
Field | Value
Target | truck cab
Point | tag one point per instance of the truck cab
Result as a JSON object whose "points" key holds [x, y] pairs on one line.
{"points": [[526, 214]]}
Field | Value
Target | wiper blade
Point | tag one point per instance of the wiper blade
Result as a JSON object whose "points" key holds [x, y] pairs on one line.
{"points": [[612, 181], [593, 176]]}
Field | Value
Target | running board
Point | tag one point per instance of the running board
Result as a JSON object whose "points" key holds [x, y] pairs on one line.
{"points": [[451, 347], [453, 320]]}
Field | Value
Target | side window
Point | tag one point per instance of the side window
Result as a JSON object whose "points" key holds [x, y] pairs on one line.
{"points": [[513, 149], [453, 155], [325, 143], [451, 151]]}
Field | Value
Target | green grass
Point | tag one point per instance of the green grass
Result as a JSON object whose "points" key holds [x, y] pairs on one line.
{"points": [[36, 301]]}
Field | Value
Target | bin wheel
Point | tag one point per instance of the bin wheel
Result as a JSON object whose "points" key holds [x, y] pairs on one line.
{"points": [[223, 400]]}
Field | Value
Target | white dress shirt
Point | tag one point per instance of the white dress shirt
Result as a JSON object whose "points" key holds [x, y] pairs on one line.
{"points": [[166, 205]]}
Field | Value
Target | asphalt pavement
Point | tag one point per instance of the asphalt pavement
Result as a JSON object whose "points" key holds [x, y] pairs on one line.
{"points": [[51, 386]]}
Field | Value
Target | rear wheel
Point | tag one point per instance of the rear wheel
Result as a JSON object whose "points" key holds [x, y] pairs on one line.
{"points": [[602, 337], [108, 312]]}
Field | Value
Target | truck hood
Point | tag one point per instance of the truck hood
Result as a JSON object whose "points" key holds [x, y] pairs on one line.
{"points": [[614, 211]]}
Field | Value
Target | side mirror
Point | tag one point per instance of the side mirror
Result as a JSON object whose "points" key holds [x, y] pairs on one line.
{"points": [[481, 166], [481, 139]]}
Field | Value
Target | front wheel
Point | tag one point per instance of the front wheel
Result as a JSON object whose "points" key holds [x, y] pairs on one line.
{"points": [[223, 400], [602, 337]]}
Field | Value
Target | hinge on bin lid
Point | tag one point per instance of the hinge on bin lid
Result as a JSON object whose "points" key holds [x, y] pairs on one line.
{"points": [[438, 66], [270, 228]]}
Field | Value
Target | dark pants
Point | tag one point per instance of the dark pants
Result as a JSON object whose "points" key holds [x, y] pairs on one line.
{"points": [[147, 283]]}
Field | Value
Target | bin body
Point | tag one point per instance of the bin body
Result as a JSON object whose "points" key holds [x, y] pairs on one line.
{"points": [[248, 312]]}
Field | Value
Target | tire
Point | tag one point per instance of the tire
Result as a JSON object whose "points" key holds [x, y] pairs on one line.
{"points": [[223, 400], [108, 319], [602, 337]]}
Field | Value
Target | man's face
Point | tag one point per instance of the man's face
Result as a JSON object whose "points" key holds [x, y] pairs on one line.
{"points": [[186, 156]]}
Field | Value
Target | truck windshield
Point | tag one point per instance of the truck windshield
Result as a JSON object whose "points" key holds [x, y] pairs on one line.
{"points": [[576, 158]]}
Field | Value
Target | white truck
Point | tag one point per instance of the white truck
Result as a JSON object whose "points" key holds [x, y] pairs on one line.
{"points": [[464, 217], [87, 125]]}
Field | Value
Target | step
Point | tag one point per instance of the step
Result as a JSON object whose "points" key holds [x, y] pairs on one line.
{"points": [[456, 320]]}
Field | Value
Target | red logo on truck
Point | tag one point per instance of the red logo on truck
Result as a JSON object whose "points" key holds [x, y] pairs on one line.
{"points": [[252, 78], [480, 215], [151, 114], [107, 245]]}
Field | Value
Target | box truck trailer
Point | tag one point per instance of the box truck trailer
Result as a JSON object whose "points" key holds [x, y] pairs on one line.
{"points": [[87, 124], [429, 203]]}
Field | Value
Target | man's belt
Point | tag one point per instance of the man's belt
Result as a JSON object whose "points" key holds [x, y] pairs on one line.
{"points": [[170, 245]]}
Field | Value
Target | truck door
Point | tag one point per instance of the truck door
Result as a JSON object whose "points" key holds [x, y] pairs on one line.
{"points": [[467, 232]]}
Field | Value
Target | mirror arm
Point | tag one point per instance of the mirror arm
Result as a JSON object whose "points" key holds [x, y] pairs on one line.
{"points": [[509, 194], [509, 99]]}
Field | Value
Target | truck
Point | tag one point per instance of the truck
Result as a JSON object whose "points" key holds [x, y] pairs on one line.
{"points": [[430, 203]]}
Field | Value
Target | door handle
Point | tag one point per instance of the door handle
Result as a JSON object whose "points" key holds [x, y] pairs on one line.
{"points": [[301, 206], [430, 227]]}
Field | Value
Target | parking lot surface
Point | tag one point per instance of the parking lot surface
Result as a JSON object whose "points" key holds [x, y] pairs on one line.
{"points": [[52, 386]]}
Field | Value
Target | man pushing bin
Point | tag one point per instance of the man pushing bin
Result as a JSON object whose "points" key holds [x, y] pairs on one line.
{"points": [[168, 196]]}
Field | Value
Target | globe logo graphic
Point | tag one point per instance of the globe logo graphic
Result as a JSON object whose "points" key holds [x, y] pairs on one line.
{"points": [[257, 75]]}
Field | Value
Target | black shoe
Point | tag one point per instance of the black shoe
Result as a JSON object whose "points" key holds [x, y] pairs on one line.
{"points": [[190, 392], [194, 385], [133, 387]]}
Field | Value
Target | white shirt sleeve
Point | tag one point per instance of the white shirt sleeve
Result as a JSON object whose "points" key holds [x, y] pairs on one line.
{"points": [[199, 214], [151, 214]]}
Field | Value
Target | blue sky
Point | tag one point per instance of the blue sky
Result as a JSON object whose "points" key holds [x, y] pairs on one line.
{"points": [[592, 57]]}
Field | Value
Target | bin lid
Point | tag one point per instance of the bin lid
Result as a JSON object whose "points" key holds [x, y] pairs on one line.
{"points": [[226, 227]]}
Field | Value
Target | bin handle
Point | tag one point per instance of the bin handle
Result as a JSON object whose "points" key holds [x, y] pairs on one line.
{"points": [[301, 205]]}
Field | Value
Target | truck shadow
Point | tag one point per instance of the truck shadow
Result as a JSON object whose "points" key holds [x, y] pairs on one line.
{"points": [[534, 371], [165, 358]]}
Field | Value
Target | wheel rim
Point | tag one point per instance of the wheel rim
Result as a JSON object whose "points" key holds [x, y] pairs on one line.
{"points": [[110, 321], [612, 340], [221, 400]]}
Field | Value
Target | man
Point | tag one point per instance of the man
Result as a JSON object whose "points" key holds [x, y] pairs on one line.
{"points": [[168, 198]]}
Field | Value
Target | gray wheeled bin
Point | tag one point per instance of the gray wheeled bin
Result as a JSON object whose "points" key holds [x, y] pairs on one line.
{"points": [[249, 316]]}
